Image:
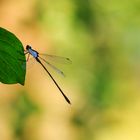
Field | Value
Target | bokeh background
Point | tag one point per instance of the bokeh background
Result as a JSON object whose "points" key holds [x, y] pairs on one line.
{"points": [[102, 38]]}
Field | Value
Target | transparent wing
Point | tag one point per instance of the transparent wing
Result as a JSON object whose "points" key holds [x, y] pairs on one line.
{"points": [[53, 67], [55, 58]]}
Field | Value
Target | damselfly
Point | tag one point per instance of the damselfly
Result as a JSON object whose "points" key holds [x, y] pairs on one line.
{"points": [[36, 55]]}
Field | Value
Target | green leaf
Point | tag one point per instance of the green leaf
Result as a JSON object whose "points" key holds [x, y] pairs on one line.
{"points": [[12, 59]]}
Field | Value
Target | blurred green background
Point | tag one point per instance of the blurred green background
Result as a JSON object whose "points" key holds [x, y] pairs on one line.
{"points": [[102, 39]]}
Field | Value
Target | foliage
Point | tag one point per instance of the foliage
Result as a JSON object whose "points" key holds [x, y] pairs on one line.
{"points": [[12, 59]]}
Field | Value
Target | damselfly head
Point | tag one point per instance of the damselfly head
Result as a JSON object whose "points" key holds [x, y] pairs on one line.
{"points": [[28, 47]]}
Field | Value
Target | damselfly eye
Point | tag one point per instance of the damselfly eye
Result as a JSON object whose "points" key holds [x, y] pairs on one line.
{"points": [[28, 47]]}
